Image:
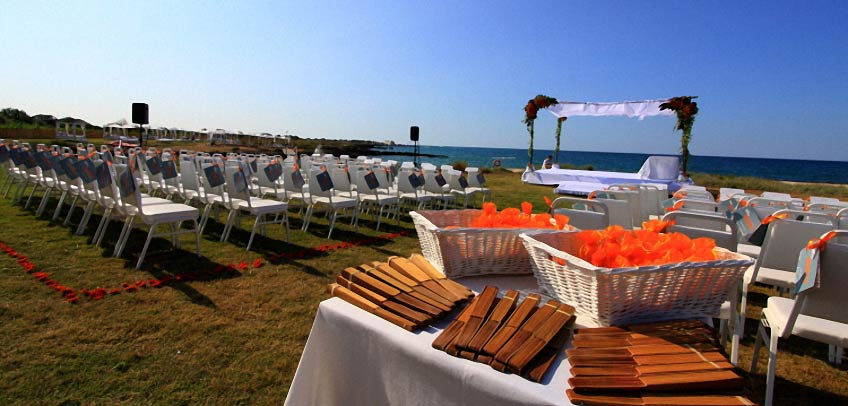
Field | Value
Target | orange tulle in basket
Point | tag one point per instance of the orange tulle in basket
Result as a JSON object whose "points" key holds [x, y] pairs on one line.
{"points": [[615, 247], [515, 218]]}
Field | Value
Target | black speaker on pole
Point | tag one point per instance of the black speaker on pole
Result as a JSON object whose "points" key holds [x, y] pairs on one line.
{"points": [[140, 113], [140, 116], [413, 136]]}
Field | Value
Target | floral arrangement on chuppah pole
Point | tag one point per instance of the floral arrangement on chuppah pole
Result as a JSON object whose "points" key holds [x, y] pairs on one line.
{"points": [[686, 110], [530, 114]]}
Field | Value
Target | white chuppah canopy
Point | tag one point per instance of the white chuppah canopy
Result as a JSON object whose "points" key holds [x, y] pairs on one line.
{"points": [[641, 109]]}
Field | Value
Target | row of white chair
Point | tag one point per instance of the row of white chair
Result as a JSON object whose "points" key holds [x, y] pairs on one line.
{"points": [[97, 183]]}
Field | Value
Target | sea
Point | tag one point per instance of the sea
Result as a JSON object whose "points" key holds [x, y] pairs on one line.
{"points": [[777, 169]]}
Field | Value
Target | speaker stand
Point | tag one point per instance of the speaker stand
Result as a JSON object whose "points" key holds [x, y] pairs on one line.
{"points": [[415, 151]]}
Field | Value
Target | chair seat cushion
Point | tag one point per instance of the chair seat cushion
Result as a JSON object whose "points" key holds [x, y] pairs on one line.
{"points": [[161, 213], [413, 196], [752, 251], [381, 200], [258, 206], [337, 202], [772, 277], [778, 310]]}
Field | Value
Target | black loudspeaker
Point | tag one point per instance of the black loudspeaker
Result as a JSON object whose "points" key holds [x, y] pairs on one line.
{"points": [[140, 113], [413, 133]]}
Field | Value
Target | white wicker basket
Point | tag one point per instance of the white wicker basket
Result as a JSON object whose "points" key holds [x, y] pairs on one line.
{"points": [[632, 295], [467, 251]]}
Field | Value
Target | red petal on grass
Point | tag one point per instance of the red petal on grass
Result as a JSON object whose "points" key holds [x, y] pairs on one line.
{"points": [[257, 263]]}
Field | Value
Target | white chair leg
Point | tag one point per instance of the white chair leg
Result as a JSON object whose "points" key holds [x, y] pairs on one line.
{"points": [[332, 222], [86, 215], [146, 244], [59, 206], [103, 221], [379, 218], [31, 194], [772, 369], [197, 236], [175, 239], [70, 211], [758, 341], [43, 204], [125, 236], [834, 354], [226, 233], [253, 232]]}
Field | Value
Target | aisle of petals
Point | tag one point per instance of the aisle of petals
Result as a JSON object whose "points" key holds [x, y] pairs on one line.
{"points": [[72, 295]]}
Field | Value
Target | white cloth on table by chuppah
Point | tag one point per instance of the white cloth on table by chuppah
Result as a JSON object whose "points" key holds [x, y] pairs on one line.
{"points": [[355, 358]]}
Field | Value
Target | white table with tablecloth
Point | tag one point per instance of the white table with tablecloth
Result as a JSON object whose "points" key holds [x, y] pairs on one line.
{"points": [[355, 358]]}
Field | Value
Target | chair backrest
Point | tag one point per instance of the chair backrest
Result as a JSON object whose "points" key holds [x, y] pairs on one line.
{"points": [[292, 178], [785, 238], [430, 181], [361, 177], [315, 189], [475, 177], [827, 200], [209, 178], [585, 214], [697, 225], [341, 180], [829, 300], [128, 189], [238, 182], [766, 206], [697, 205], [453, 177], [266, 167], [727, 192], [404, 183], [188, 173], [623, 205]]}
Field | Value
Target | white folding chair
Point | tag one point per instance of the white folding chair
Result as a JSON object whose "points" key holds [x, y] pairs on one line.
{"points": [[436, 185], [459, 187], [620, 206], [172, 214], [817, 313], [724, 232], [477, 183], [778, 259], [239, 201], [370, 196], [585, 214], [412, 194], [321, 194]]}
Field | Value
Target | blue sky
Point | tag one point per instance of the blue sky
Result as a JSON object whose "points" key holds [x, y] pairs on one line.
{"points": [[770, 76]]}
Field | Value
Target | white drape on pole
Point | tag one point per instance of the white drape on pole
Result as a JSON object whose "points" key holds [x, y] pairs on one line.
{"points": [[641, 109]]}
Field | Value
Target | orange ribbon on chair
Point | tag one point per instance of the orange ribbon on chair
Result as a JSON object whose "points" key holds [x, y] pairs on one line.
{"points": [[820, 243], [677, 206], [771, 218]]}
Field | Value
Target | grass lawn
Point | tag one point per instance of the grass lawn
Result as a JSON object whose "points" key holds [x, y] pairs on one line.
{"points": [[231, 336]]}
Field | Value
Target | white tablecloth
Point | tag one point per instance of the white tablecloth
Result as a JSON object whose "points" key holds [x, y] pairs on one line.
{"points": [[355, 358]]}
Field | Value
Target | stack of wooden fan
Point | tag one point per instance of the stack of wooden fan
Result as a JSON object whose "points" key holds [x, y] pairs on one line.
{"points": [[407, 292], [522, 338], [671, 363]]}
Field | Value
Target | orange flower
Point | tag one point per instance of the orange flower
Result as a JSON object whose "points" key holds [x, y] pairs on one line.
{"points": [[615, 247], [512, 217]]}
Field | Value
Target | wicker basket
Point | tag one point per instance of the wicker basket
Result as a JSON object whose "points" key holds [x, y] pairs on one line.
{"points": [[632, 295], [467, 251]]}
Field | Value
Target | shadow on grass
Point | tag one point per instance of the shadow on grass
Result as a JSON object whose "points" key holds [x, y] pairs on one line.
{"points": [[787, 392]]}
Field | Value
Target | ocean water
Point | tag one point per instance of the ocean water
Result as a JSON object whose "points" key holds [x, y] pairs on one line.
{"points": [[777, 169]]}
